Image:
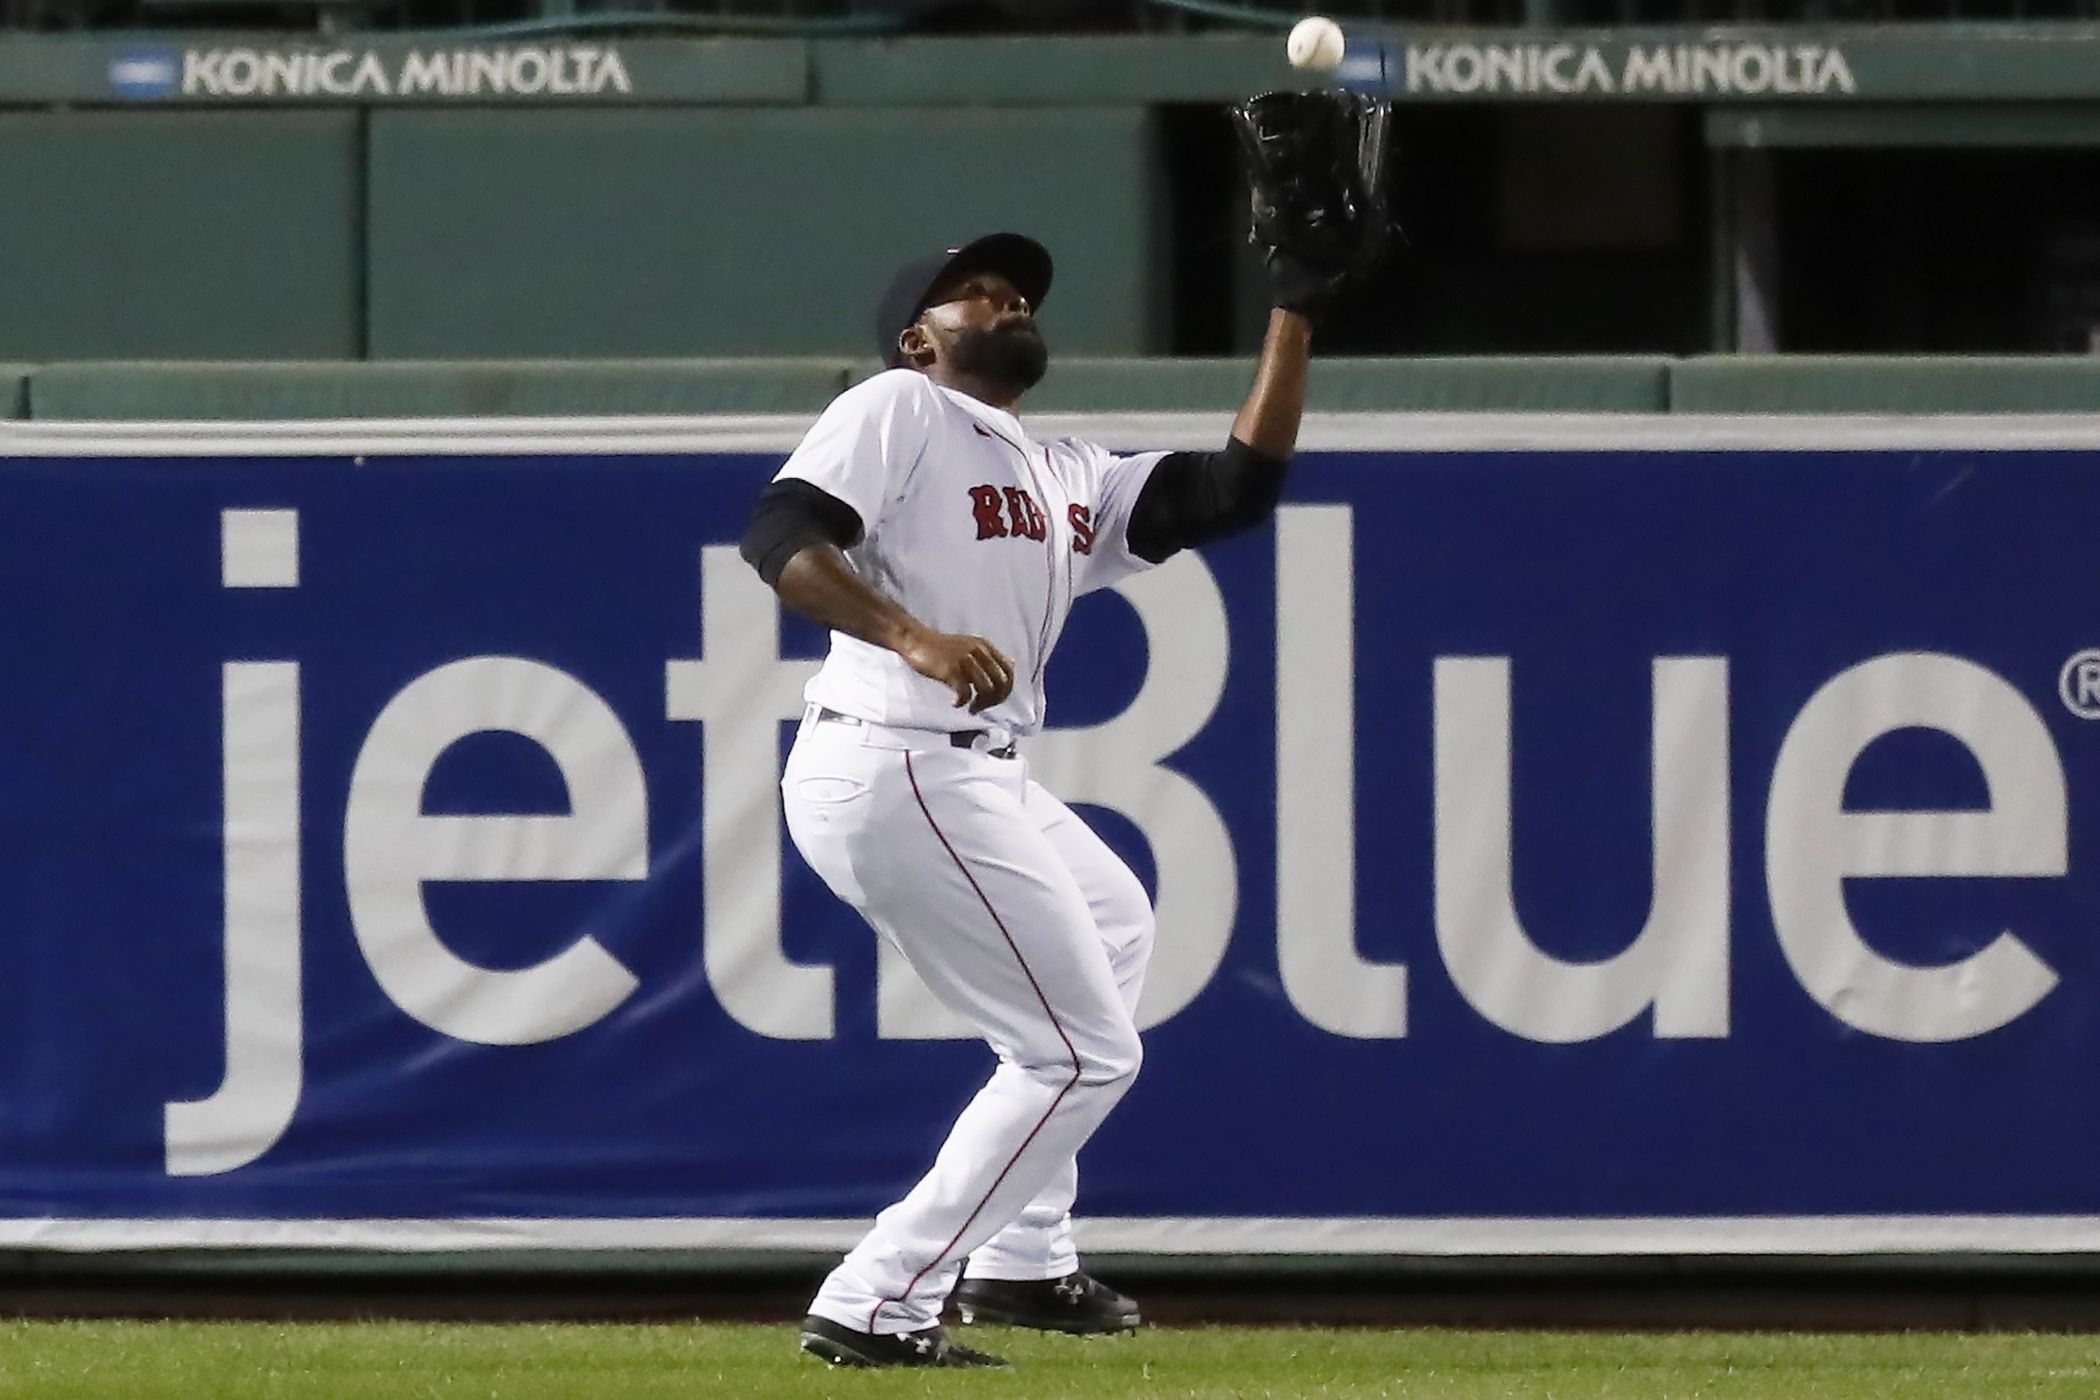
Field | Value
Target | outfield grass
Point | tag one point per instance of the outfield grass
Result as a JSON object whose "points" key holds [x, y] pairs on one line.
{"points": [[409, 1361]]}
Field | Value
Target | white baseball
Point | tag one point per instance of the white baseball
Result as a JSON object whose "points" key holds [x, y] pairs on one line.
{"points": [[1315, 42]]}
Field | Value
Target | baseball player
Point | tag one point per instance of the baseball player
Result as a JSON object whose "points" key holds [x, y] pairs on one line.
{"points": [[943, 545]]}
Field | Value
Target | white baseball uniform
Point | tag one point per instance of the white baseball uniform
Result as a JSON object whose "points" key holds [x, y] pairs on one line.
{"points": [[1006, 904]]}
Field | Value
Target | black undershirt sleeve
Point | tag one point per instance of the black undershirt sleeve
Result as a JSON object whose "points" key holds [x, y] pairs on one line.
{"points": [[788, 517], [1192, 498]]}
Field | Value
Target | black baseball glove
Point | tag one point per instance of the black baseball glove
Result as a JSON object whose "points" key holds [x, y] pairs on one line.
{"points": [[1316, 171]]}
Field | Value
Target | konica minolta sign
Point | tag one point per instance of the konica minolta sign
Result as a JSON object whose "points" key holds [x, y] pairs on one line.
{"points": [[237, 73]]}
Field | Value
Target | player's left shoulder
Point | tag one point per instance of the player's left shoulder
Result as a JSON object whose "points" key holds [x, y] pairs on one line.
{"points": [[1077, 454], [1100, 465]]}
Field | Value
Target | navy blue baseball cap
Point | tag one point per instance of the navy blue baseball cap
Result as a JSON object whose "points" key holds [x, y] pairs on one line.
{"points": [[1019, 259]]}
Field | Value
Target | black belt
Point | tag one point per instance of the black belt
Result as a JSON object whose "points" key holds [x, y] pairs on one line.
{"points": [[957, 738]]}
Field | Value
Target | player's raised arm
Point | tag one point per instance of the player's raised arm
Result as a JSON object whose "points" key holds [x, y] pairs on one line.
{"points": [[1192, 498], [1268, 420], [1315, 174]]}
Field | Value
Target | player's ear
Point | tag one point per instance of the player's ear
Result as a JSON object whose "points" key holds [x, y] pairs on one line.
{"points": [[916, 345]]}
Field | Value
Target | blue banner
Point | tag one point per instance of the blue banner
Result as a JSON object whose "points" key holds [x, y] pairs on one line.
{"points": [[1605, 839]]}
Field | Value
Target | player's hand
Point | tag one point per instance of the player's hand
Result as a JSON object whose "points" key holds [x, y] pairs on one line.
{"points": [[978, 672]]}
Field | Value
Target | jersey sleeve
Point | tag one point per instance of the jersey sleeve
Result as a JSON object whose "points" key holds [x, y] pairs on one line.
{"points": [[865, 444], [1117, 480]]}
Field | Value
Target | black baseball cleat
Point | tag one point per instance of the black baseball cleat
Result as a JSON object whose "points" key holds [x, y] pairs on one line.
{"points": [[1078, 1303], [929, 1346]]}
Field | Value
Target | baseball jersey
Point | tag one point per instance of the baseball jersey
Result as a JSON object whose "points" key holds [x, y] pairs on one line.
{"points": [[971, 526]]}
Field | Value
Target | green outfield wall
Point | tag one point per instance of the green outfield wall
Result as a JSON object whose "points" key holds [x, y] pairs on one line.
{"points": [[676, 232], [1910, 384], [198, 234], [609, 232], [218, 196], [180, 390]]}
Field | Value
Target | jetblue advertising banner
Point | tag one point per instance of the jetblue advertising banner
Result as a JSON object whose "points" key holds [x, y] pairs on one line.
{"points": [[1568, 836]]}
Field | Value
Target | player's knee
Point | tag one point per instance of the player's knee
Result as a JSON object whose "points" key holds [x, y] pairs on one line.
{"points": [[1113, 1062], [1129, 926], [1128, 919], [1143, 928]]}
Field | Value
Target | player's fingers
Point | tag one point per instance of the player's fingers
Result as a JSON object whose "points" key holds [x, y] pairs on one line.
{"points": [[981, 678], [1002, 669], [958, 680], [997, 670], [998, 683]]}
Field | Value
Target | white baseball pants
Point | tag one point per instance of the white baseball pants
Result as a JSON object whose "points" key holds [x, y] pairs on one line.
{"points": [[1019, 919]]}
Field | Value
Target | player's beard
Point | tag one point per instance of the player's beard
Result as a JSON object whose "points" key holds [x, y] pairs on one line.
{"points": [[1012, 356]]}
